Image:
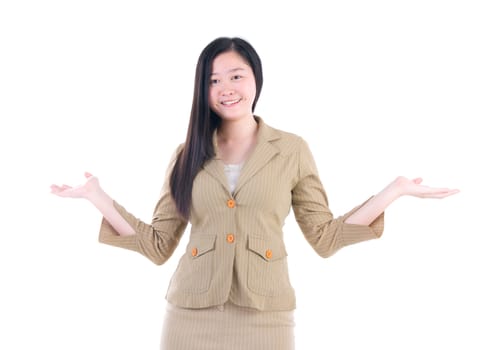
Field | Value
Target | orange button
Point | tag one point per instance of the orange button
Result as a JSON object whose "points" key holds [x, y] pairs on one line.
{"points": [[268, 254], [194, 251], [231, 203], [230, 238]]}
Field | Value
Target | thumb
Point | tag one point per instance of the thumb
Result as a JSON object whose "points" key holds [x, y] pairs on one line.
{"points": [[417, 180]]}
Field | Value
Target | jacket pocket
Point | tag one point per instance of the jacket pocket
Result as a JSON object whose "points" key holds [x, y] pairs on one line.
{"points": [[194, 271], [267, 267]]}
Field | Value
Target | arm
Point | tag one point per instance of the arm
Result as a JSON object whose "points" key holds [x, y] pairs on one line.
{"points": [[119, 228], [401, 186], [324, 232], [92, 191], [327, 234]]}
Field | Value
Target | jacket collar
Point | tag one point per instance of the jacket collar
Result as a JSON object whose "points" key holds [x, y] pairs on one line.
{"points": [[262, 153]]}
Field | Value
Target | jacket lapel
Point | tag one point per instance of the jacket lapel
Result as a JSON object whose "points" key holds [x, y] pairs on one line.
{"points": [[263, 152], [216, 169]]}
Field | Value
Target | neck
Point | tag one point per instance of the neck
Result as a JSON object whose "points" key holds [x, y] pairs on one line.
{"points": [[237, 130]]}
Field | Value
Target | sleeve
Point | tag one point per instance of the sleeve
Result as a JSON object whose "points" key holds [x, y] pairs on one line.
{"points": [[323, 232], [158, 240]]}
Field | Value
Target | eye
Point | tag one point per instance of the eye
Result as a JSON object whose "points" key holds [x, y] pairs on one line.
{"points": [[237, 77], [214, 81]]}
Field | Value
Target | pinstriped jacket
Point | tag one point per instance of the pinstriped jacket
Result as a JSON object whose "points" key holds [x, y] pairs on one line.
{"points": [[236, 249]]}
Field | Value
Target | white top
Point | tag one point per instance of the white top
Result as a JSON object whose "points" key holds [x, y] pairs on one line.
{"points": [[232, 172]]}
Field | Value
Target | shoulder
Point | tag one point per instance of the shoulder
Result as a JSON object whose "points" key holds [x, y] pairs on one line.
{"points": [[286, 142], [174, 156], [179, 149]]}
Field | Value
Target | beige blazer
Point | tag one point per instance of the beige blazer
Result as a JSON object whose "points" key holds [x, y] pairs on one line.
{"points": [[236, 249]]}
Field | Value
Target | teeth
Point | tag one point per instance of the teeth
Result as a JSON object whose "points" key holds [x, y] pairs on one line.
{"points": [[228, 103]]}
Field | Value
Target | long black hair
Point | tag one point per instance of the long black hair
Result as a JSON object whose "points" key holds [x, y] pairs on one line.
{"points": [[198, 147]]}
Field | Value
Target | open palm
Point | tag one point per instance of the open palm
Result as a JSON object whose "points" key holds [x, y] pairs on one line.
{"points": [[81, 191], [416, 189]]}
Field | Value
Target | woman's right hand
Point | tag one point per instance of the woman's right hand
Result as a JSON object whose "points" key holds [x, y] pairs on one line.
{"points": [[87, 190], [92, 191]]}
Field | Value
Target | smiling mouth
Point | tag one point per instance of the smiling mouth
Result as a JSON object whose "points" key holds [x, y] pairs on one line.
{"points": [[230, 103]]}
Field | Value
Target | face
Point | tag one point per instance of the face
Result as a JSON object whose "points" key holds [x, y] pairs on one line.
{"points": [[232, 87]]}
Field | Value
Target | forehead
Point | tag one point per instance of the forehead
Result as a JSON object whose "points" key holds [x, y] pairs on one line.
{"points": [[228, 61]]}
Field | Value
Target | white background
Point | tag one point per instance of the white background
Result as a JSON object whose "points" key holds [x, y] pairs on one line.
{"points": [[385, 88]]}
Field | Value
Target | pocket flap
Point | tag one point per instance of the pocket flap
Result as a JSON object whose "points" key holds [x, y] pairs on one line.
{"points": [[201, 244], [269, 250]]}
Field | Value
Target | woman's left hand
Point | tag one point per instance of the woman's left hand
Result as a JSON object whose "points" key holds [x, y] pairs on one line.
{"points": [[414, 188]]}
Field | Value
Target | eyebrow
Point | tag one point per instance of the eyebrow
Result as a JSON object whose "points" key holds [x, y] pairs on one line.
{"points": [[230, 71]]}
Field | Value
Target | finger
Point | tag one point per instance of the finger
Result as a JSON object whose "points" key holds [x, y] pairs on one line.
{"points": [[87, 174], [441, 194], [440, 190], [417, 180], [451, 192], [58, 190], [54, 188]]}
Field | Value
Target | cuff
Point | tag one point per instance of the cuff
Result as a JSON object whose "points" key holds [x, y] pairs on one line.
{"points": [[353, 233], [108, 235]]}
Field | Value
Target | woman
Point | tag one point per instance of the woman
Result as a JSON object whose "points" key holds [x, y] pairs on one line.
{"points": [[235, 179]]}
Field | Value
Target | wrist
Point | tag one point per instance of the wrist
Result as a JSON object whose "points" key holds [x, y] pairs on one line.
{"points": [[397, 188], [392, 191], [96, 196]]}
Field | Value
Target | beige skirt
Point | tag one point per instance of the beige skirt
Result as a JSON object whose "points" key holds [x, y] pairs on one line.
{"points": [[227, 327]]}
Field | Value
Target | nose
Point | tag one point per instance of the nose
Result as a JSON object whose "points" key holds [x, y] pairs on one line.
{"points": [[227, 89], [227, 92]]}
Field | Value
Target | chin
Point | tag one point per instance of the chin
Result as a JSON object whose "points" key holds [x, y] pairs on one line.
{"points": [[234, 117]]}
